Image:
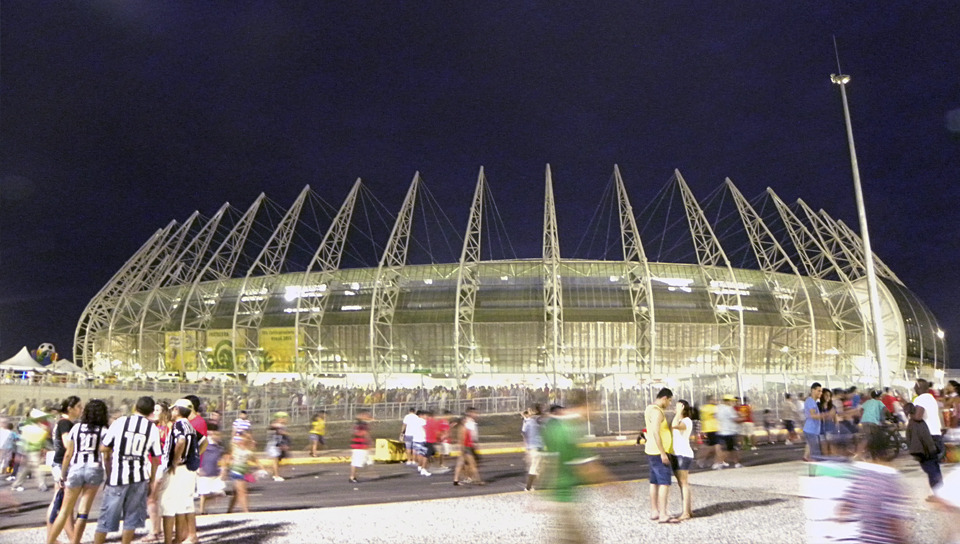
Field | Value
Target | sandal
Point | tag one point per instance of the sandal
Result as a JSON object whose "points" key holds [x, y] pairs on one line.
{"points": [[672, 521], [153, 537]]}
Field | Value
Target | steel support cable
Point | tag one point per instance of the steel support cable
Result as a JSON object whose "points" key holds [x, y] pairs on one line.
{"points": [[498, 222]]}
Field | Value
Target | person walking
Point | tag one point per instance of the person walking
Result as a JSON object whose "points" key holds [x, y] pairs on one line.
{"points": [[926, 409], [469, 437], [129, 473], [410, 421], [708, 426], [533, 443], [728, 422], [33, 437], [789, 416], [278, 443], [811, 423], [70, 410], [571, 466], [81, 470], [683, 455], [658, 448], [360, 444], [318, 428], [239, 461]]}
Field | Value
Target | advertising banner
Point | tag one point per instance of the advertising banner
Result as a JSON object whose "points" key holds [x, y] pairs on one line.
{"points": [[279, 351]]}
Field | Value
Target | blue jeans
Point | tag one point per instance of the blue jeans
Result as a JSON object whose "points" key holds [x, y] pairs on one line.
{"points": [[813, 440], [931, 466]]}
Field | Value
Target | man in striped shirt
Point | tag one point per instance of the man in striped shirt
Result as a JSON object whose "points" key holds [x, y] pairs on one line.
{"points": [[129, 472], [179, 481]]}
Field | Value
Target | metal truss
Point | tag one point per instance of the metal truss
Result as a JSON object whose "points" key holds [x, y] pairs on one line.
{"points": [[315, 287], [552, 285], [818, 262], [386, 288], [781, 276], [853, 240], [96, 316], [849, 263], [721, 283], [255, 290], [638, 278], [205, 293], [161, 302], [124, 322], [468, 283]]}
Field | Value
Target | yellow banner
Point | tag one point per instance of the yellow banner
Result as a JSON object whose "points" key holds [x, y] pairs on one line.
{"points": [[278, 349], [181, 351], [219, 350]]}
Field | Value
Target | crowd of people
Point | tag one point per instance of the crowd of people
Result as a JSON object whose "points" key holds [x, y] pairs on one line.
{"points": [[155, 458]]}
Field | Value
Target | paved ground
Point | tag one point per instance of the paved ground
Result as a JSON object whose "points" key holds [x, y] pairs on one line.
{"points": [[759, 503]]}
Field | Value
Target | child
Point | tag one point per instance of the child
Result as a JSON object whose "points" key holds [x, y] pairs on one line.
{"points": [[318, 428], [209, 482]]}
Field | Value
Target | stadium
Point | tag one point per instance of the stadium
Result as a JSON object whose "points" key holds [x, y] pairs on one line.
{"points": [[722, 288]]}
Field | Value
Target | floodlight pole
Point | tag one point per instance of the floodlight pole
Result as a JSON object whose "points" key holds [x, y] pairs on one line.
{"points": [[872, 292]]}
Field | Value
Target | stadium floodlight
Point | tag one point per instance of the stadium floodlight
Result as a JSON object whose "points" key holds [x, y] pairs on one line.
{"points": [[873, 293]]}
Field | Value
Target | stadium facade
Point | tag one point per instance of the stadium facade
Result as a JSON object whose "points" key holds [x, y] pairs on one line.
{"points": [[204, 297]]}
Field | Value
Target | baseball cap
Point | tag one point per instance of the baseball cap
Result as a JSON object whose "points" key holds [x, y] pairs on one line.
{"points": [[184, 403]]}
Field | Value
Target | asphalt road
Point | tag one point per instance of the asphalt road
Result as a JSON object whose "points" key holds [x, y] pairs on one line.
{"points": [[326, 485]]}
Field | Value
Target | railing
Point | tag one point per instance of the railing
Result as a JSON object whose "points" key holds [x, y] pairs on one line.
{"points": [[382, 410]]}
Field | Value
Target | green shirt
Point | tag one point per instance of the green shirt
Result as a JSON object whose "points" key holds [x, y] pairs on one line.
{"points": [[561, 440], [872, 412]]}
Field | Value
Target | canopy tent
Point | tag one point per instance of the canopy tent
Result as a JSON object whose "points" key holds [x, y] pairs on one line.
{"points": [[22, 361], [65, 366]]}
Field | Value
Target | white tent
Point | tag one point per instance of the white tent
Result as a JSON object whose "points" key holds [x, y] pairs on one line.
{"points": [[66, 366], [22, 361]]}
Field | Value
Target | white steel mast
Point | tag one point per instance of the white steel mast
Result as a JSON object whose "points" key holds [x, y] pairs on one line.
{"points": [[878, 344]]}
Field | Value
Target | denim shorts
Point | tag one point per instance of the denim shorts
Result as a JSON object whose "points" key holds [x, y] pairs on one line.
{"points": [[123, 502], [660, 474], [81, 475], [679, 462]]}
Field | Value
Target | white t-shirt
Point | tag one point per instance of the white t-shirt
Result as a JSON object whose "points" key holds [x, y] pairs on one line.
{"points": [[409, 421], [931, 412], [417, 429], [681, 439]]}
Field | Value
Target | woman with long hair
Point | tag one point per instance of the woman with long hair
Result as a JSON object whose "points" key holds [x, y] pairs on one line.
{"points": [[70, 409], [162, 419], [82, 469], [683, 455], [828, 415], [239, 461]]}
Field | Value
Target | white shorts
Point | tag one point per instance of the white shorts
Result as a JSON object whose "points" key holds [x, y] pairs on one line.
{"points": [[209, 485], [358, 458], [534, 458], [176, 496]]}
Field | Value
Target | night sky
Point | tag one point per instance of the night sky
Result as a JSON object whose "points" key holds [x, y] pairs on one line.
{"points": [[117, 117]]}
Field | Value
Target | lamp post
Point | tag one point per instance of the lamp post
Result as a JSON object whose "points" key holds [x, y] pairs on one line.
{"points": [[872, 292]]}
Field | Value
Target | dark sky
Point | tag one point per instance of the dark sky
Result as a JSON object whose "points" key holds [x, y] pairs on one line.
{"points": [[117, 117]]}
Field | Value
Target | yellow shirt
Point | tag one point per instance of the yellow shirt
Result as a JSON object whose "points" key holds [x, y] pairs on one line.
{"points": [[319, 427], [708, 418], [666, 435]]}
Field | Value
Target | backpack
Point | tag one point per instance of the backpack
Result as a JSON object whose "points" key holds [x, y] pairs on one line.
{"points": [[192, 455]]}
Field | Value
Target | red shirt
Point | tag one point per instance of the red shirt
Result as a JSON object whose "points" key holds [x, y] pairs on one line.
{"points": [[444, 429], [199, 424], [888, 401], [431, 429]]}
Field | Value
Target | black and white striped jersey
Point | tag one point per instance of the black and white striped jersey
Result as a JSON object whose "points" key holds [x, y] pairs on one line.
{"points": [[182, 429], [86, 441], [132, 438]]}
